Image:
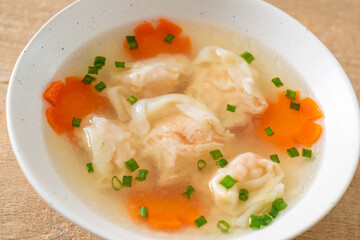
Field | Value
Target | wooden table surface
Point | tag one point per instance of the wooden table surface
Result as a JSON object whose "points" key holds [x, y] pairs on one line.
{"points": [[24, 215]]}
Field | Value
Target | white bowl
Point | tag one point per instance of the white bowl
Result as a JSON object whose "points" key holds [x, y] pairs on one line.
{"points": [[63, 34]]}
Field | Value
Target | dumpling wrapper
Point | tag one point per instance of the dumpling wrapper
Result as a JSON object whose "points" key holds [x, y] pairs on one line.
{"points": [[261, 177], [147, 111], [153, 76], [223, 77], [176, 129], [109, 145]]}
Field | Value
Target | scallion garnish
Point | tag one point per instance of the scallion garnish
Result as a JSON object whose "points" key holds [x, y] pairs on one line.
{"points": [[269, 131], [275, 158], [88, 79], [89, 167], [131, 164], [244, 194], [228, 182], [290, 94], [279, 204], [127, 181], [222, 162], [273, 212], [189, 192], [93, 70], [223, 226], [132, 100], [132, 42], [201, 164], [216, 154], [116, 183], [142, 174], [100, 86], [293, 152], [307, 153], [266, 220], [295, 105], [277, 82], [143, 212], [248, 57], [99, 62], [120, 64], [255, 221], [169, 38], [200, 221], [76, 122], [231, 108]]}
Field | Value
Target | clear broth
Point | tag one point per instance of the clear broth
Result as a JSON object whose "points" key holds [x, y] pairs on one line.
{"points": [[69, 160]]}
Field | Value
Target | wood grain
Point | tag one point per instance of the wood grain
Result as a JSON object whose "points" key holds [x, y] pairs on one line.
{"points": [[24, 215]]}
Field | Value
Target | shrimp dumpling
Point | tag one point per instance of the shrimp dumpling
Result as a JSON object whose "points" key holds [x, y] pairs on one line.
{"points": [[222, 77], [154, 76], [109, 145], [176, 130], [261, 177]]}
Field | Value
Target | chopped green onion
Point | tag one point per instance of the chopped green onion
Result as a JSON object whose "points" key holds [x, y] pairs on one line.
{"points": [[216, 154], [223, 226], [266, 220], [274, 212], [277, 82], [269, 131], [132, 100], [116, 181], [99, 62], [142, 174], [290, 94], [189, 192], [255, 221], [201, 164], [231, 108], [307, 153], [131, 164], [200, 221], [293, 152], [76, 122], [222, 163], [89, 167], [228, 182], [93, 70], [127, 181], [132, 42], [100, 86], [295, 105], [244, 194], [88, 79], [120, 64], [275, 158], [279, 204], [143, 211], [248, 57], [169, 38]]}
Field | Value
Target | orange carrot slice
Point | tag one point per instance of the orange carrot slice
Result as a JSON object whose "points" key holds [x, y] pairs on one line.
{"points": [[144, 30], [53, 118], [168, 27], [53, 92], [163, 223], [309, 133], [151, 40], [310, 109], [168, 209], [291, 126], [72, 99]]}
